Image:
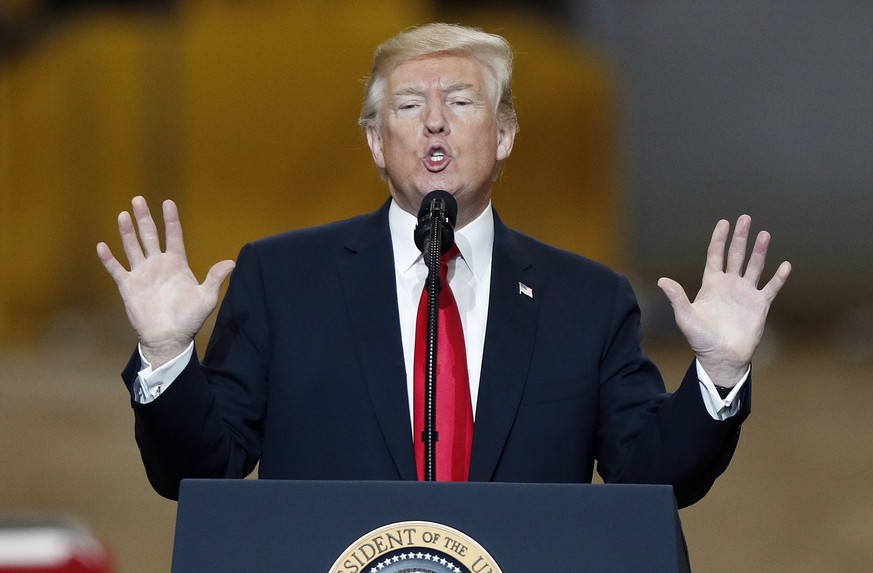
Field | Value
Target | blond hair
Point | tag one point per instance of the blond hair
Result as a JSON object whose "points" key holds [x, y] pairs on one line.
{"points": [[493, 51]]}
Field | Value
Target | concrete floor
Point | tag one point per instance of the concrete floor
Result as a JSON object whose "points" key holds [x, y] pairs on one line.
{"points": [[798, 496]]}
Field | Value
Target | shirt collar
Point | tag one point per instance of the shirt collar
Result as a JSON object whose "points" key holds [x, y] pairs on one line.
{"points": [[474, 240]]}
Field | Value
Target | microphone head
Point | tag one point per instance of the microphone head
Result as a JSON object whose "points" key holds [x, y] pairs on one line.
{"points": [[436, 204], [449, 203]]}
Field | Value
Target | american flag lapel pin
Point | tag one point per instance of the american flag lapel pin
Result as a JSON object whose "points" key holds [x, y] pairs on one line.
{"points": [[525, 290]]}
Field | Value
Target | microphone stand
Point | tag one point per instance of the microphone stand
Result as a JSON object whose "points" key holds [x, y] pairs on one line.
{"points": [[433, 254]]}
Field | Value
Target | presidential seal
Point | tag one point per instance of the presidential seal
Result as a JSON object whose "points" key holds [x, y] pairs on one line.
{"points": [[415, 547]]}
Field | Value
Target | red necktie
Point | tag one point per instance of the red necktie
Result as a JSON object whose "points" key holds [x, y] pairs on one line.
{"points": [[454, 411]]}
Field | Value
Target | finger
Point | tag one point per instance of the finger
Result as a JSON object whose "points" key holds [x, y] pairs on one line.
{"points": [[148, 231], [216, 275], [675, 294], [110, 263], [755, 268], [772, 288], [129, 241], [715, 252], [737, 251], [173, 228]]}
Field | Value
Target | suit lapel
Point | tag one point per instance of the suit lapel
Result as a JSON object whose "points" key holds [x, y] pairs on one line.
{"points": [[509, 343], [372, 306]]}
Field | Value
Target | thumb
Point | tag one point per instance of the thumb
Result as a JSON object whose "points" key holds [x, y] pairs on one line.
{"points": [[675, 293], [216, 275]]}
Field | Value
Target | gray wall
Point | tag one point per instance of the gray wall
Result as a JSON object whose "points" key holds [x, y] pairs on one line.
{"points": [[749, 106]]}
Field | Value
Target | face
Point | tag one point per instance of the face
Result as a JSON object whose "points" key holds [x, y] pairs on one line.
{"points": [[438, 130]]}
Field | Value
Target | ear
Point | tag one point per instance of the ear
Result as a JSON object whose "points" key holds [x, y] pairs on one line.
{"points": [[505, 139], [374, 140]]}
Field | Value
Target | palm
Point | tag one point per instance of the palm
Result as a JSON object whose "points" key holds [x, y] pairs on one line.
{"points": [[725, 323], [165, 304], [162, 297]]}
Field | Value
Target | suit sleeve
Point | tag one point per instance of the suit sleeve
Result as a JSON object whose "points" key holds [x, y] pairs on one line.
{"points": [[647, 435], [209, 421]]}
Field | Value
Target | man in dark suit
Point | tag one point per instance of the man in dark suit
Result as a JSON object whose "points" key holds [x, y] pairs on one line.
{"points": [[310, 367]]}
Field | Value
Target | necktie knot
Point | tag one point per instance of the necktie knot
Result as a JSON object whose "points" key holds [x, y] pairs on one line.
{"points": [[445, 295], [444, 261]]}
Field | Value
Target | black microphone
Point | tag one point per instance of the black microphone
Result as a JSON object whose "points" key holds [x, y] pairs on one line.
{"points": [[440, 205], [434, 236]]}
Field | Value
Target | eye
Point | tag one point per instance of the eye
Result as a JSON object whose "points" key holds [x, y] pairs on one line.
{"points": [[462, 101], [407, 104]]}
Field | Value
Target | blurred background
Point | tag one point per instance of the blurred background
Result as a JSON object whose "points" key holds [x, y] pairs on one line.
{"points": [[642, 124]]}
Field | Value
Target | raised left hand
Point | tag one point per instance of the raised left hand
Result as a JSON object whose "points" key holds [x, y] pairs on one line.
{"points": [[725, 323]]}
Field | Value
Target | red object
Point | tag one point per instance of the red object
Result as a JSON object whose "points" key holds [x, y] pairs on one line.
{"points": [[454, 411], [30, 544]]}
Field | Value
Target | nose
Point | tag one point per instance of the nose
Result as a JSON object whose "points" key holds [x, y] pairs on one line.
{"points": [[435, 120]]}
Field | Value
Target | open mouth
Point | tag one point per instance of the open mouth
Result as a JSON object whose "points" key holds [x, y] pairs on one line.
{"points": [[436, 159]]}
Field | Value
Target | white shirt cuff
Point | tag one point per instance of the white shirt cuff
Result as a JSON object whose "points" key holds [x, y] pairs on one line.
{"points": [[150, 383], [719, 408]]}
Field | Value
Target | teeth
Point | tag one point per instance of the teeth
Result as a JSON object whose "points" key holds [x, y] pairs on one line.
{"points": [[437, 155]]}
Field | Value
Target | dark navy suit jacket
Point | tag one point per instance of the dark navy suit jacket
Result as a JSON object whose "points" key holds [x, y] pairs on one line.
{"points": [[304, 373]]}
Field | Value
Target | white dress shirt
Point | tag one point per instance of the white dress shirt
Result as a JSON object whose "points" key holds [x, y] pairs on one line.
{"points": [[469, 278]]}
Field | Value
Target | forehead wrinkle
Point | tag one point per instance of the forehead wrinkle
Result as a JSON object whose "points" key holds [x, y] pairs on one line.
{"points": [[417, 90], [459, 87]]}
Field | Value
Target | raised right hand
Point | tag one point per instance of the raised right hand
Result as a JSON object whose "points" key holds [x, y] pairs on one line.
{"points": [[165, 304]]}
